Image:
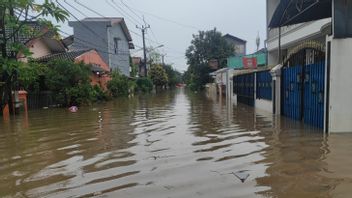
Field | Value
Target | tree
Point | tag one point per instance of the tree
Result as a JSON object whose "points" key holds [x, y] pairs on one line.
{"points": [[15, 18], [173, 75], [69, 82], [158, 75], [205, 46]]}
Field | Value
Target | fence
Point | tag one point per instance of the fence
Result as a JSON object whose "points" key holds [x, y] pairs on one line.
{"points": [[264, 85], [40, 100], [244, 88]]}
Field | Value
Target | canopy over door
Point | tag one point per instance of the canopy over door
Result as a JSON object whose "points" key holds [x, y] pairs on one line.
{"points": [[291, 12]]}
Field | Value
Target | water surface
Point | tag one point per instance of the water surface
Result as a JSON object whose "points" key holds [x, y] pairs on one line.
{"points": [[175, 144]]}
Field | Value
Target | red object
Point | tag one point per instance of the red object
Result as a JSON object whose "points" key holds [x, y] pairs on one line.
{"points": [[249, 63]]}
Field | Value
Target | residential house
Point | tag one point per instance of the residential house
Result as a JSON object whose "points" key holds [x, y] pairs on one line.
{"points": [[100, 70], [238, 44], [311, 41], [109, 36]]}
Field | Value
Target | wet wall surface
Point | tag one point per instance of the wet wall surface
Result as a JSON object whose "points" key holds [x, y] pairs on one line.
{"points": [[173, 144]]}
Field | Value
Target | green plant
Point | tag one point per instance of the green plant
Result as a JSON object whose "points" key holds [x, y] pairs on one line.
{"points": [[158, 75], [144, 85], [118, 85], [16, 17], [69, 82]]}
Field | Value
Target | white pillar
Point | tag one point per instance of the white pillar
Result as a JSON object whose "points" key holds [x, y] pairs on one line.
{"points": [[340, 96]]}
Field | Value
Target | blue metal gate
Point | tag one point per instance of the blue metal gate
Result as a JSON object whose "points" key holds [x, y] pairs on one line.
{"points": [[292, 92], [314, 94], [244, 88], [264, 85], [303, 93]]}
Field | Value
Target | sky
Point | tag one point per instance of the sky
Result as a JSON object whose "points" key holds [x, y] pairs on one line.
{"points": [[173, 22]]}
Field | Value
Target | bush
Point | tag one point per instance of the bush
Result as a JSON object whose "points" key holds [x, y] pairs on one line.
{"points": [[70, 83], [144, 85], [158, 75], [118, 85]]}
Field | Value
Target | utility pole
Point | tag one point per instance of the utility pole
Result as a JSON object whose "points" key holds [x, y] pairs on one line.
{"points": [[163, 59], [143, 29]]}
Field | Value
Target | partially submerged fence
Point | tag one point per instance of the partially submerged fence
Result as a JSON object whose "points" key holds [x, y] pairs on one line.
{"points": [[256, 85], [40, 100]]}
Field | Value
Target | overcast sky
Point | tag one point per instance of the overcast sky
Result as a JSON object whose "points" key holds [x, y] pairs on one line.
{"points": [[174, 21]]}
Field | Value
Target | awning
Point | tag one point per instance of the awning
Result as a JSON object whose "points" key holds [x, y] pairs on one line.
{"points": [[290, 12]]}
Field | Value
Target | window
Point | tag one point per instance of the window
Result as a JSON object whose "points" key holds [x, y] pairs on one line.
{"points": [[116, 45]]}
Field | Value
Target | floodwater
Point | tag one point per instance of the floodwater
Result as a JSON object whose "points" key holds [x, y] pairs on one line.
{"points": [[175, 144]]}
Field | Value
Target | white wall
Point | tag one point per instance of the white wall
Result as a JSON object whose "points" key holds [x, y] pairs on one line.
{"points": [[341, 86], [297, 33], [265, 105]]}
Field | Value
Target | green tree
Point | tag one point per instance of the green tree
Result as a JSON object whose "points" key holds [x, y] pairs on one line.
{"points": [[15, 16], [69, 82], [158, 75], [205, 46], [173, 75]]}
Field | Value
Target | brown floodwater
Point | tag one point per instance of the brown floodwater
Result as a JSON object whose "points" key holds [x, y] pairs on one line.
{"points": [[175, 144]]}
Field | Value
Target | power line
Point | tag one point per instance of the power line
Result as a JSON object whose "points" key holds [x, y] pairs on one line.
{"points": [[94, 46], [77, 10], [166, 19], [84, 25], [131, 10], [119, 9], [86, 7]]}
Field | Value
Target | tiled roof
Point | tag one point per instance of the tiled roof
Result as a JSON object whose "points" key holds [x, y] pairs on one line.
{"points": [[71, 56]]}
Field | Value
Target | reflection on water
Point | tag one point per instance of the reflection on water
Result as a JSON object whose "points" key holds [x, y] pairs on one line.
{"points": [[175, 144]]}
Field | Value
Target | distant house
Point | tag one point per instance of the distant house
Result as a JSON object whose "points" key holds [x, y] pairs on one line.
{"points": [[43, 44], [238, 44], [139, 62], [100, 70], [109, 36]]}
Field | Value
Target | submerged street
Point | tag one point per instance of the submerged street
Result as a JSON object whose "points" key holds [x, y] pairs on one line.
{"points": [[174, 144]]}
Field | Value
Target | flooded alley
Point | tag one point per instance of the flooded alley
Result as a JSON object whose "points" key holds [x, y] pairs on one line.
{"points": [[175, 144]]}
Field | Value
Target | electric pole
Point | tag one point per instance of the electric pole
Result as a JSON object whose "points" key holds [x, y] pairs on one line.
{"points": [[163, 59], [143, 29]]}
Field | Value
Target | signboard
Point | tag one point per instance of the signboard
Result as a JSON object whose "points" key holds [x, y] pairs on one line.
{"points": [[249, 63]]}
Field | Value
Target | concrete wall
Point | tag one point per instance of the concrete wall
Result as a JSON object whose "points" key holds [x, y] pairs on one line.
{"points": [[100, 36], [85, 38], [265, 105], [121, 59], [340, 106], [92, 57]]}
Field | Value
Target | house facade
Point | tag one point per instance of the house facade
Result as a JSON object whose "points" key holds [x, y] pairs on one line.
{"points": [[239, 45], [109, 36], [310, 43], [100, 71]]}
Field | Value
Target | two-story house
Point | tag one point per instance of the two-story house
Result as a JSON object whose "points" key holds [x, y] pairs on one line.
{"points": [[109, 36], [239, 45], [311, 44]]}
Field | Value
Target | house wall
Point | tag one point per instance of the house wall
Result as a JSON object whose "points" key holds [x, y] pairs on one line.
{"points": [[93, 57], [240, 47], [265, 105], [340, 106], [88, 39], [38, 48], [121, 59], [290, 35]]}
